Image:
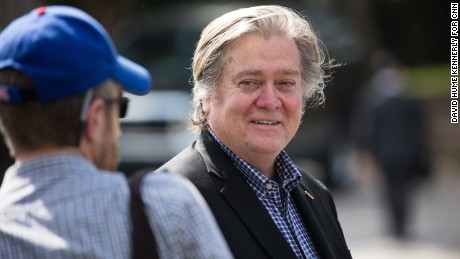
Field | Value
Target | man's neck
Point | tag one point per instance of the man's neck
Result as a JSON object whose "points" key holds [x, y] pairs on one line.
{"points": [[27, 155], [265, 164]]}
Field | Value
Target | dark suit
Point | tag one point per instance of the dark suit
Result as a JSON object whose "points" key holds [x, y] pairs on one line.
{"points": [[399, 145], [244, 221]]}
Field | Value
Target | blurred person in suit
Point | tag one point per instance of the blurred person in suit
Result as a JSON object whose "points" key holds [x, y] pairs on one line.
{"points": [[254, 70], [398, 139]]}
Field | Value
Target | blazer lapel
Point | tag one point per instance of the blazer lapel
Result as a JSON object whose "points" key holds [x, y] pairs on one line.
{"points": [[309, 215], [244, 201]]}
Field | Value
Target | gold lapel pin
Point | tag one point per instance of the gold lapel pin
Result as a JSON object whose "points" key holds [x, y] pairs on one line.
{"points": [[309, 195]]}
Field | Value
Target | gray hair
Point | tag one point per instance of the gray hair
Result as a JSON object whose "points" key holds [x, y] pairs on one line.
{"points": [[268, 20]]}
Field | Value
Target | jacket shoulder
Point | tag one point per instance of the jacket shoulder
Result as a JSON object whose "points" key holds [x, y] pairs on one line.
{"points": [[312, 183], [191, 164], [188, 160]]}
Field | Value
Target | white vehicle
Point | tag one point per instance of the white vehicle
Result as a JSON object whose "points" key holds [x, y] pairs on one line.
{"points": [[154, 129]]}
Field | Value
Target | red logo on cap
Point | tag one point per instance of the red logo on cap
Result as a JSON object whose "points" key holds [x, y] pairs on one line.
{"points": [[4, 96], [41, 10]]}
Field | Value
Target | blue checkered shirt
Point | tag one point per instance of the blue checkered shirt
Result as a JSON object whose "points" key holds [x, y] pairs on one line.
{"points": [[61, 206], [275, 196]]}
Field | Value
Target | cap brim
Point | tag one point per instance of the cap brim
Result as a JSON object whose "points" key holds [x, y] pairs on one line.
{"points": [[132, 77]]}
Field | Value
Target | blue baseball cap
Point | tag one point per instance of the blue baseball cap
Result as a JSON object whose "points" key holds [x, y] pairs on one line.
{"points": [[65, 52]]}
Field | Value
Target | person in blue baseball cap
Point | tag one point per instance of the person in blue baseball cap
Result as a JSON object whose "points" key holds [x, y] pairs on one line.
{"points": [[61, 85]]}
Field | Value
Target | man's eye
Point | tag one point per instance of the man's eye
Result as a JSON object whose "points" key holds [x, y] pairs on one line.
{"points": [[249, 85], [286, 84]]}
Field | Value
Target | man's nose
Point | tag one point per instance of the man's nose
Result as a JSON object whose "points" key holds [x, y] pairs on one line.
{"points": [[268, 98]]}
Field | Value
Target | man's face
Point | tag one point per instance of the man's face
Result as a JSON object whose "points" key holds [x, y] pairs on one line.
{"points": [[256, 109], [108, 155]]}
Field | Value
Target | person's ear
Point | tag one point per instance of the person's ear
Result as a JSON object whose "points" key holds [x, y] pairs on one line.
{"points": [[95, 122], [206, 104]]}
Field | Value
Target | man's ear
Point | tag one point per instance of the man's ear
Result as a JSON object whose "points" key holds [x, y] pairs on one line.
{"points": [[95, 122], [206, 104]]}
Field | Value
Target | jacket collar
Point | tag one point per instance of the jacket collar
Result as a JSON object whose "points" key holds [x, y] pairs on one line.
{"points": [[306, 204], [242, 199]]}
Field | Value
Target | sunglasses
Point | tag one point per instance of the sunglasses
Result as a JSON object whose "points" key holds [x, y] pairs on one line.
{"points": [[123, 104]]}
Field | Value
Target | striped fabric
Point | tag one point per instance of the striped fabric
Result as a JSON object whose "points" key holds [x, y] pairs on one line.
{"points": [[61, 206]]}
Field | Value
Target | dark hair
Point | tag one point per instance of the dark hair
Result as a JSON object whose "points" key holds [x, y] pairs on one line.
{"points": [[34, 125]]}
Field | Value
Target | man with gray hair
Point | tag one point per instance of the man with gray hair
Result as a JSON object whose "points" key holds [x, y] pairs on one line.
{"points": [[254, 71]]}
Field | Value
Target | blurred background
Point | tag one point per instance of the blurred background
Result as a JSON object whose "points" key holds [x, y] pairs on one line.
{"points": [[383, 141]]}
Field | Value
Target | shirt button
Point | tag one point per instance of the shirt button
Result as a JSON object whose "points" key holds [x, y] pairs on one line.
{"points": [[268, 186]]}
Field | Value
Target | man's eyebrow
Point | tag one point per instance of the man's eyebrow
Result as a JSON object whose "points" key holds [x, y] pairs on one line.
{"points": [[248, 72], [290, 72], [255, 72]]}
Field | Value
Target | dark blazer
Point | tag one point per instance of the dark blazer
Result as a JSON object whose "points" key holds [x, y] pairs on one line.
{"points": [[248, 228]]}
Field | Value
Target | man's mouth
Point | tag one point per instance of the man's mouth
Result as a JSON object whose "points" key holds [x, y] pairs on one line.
{"points": [[266, 122]]}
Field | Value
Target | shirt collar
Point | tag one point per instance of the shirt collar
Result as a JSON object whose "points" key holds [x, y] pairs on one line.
{"points": [[288, 174], [51, 164]]}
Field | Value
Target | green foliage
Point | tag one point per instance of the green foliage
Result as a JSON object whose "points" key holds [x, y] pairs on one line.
{"points": [[429, 81]]}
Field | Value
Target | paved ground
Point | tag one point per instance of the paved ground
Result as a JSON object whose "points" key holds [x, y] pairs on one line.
{"points": [[435, 223]]}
